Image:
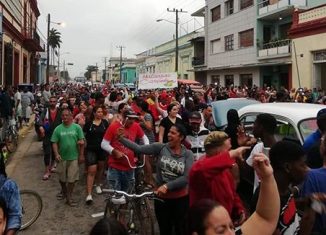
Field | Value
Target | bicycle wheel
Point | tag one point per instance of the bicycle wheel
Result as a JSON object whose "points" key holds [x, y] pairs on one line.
{"points": [[31, 207], [11, 141], [144, 217]]}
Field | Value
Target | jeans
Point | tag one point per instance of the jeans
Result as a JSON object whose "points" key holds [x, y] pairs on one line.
{"points": [[121, 180]]}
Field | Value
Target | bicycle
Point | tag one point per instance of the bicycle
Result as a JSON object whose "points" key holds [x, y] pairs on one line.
{"points": [[9, 134], [136, 211], [32, 206], [11, 137], [139, 214]]}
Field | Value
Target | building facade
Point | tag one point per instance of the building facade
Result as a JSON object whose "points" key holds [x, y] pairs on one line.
{"points": [[308, 34], [162, 58], [247, 42], [20, 42], [127, 70]]}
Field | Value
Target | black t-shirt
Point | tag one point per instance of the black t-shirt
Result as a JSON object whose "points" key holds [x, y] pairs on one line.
{"points": [[94, 134], [167, 124]]}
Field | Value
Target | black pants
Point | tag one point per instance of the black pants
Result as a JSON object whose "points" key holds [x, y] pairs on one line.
{"points": [[171, 214], [49, 157]]}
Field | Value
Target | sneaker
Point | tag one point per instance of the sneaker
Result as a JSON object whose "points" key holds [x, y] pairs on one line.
{"points": [[118, 200], [89, 199], [98, 189]]}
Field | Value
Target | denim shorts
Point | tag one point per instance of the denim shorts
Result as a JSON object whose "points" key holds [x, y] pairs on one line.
{"points": [[121, 180]]}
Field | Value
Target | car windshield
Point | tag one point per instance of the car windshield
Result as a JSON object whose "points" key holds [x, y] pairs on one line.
{"points": [[306, 127]]}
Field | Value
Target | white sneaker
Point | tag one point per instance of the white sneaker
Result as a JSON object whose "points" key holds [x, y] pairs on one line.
{"points": [[98, 190], [118, 201], [89, 199]]}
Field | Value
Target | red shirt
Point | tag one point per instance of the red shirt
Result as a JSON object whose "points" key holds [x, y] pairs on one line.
{"points": [[210, 178], [131, 133]]}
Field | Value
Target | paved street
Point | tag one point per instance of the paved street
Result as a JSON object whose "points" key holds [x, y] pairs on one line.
{"points": [[26, 167]]}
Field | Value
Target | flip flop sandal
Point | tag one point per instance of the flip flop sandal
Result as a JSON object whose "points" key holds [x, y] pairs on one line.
{"points": [[46, 176]]}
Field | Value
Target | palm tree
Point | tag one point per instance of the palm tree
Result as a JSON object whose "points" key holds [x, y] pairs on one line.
{"points": [[54, 41]]}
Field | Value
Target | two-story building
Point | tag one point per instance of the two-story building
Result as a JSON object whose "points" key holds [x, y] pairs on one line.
{"points": [[308, 34], [161, 59], [247, 41], [20, 42]]}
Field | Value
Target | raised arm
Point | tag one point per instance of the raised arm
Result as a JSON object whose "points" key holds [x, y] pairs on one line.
{"points": [[151, 149], [265, 219]]}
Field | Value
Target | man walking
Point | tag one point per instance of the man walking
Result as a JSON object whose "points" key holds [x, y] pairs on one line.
{"points": [[49, 120], [68, 147]]}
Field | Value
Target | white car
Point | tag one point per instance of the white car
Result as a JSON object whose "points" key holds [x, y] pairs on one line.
{"points": [[295, 121]]}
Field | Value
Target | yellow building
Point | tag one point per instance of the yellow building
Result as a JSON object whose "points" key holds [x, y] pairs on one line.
{"points": [[161, 59], [19, 41], [308, 33]]}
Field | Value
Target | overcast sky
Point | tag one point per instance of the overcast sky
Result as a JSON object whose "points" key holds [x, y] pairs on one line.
{"points": [[94, 28]]}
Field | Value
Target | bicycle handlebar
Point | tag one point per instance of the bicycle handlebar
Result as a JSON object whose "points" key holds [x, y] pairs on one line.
{"points": [[134, 167], [144, 194]]}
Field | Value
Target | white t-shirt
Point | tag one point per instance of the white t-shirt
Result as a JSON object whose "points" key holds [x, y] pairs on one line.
{"points": [[17, 97], [257, 149]]}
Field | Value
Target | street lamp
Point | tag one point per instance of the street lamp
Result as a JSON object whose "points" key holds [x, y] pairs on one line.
{"points": [[48, 46], [176, 11]]}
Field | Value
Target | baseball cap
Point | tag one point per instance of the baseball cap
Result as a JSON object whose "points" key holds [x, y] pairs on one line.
{"points": [[215, 138], [195, 117], [130, 114], [321, 114]]}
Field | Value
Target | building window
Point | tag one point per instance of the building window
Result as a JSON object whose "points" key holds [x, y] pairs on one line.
{"points": [[215, 79], [228, 80], [246, 80], [228, 42], [185, 76], [246, 3], [216, 13], [216, 46], [246, 38], [229, 7]]}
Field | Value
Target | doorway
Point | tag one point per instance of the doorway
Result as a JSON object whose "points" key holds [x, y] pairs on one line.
{"points": [[16, 68], [8, 69]]}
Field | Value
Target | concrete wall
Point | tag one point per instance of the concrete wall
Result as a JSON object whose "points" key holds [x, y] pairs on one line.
{"points": [[236, 75], [239, 21], [305, 46]]}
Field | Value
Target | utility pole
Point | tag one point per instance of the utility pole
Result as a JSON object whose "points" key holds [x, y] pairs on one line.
{"points": [[48, 51], [105, 74], [64, 69], [121, 47], [176, 11]]}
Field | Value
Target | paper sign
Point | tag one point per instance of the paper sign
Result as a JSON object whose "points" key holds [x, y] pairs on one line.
{"points": [[157, 81]]}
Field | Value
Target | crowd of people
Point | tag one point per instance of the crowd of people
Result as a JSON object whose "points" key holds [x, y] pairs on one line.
{"points": [[198, 167]]}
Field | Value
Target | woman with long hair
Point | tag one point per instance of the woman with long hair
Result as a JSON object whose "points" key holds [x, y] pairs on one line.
{"points": [[95, 156], [173, 165], [168, 122]]}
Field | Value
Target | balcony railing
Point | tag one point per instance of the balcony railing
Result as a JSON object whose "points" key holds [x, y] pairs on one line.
{"points": [[268, 6], [275, 48], [197, 61], [33, 40]]}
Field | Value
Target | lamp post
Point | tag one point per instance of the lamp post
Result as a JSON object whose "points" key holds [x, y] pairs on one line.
{"points": [[48, 46], [176, 11]]}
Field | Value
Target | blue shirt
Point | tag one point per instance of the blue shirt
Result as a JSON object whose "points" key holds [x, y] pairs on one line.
{"points": [[315, 182], [311, 140], [9, 192]]}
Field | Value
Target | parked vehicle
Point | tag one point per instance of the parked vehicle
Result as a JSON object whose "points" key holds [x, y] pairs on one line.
{"points": [[295, 121], [221, 107]]}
